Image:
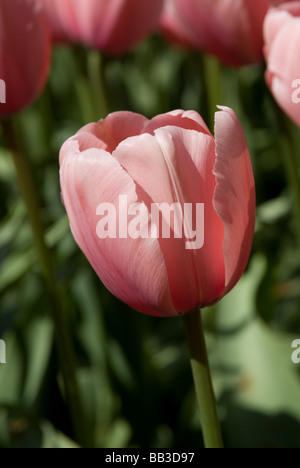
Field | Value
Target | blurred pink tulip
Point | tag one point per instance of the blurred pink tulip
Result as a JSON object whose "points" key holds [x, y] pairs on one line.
{"points": [[282, 39], [170, 159], [232, 30], [112, 26], [56, 12], [24, 54]]}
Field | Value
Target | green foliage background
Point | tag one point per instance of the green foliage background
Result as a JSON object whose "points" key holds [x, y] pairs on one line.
{"points": [[133, 370]]}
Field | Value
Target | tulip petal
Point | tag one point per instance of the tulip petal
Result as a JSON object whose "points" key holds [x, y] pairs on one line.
{"points": [[229, 29], [56, 12], [111, 26], [273, 23], [25, 50], [282, 31], [174, 28], [189, 120], [134, 21], [256, 13], [132, 269], [234, 198], [71, 146], [175, 166], [115, 128], [87, 139]]}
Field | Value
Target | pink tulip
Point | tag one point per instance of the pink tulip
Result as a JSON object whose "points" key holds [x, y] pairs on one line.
{"points": [[112, 26], [56, 12], [170, 159], [232, 30], [24, 54], [282, 39]]}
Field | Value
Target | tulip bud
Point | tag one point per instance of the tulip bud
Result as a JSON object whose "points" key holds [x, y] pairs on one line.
{"points": [[163, 211], [24, 54], [229, 29], [282, 36], [56, 12], [113, 26]]}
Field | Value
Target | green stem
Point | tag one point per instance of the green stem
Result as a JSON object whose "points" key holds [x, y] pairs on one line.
{"points": [[213, 86], [97, 81], [202, 379], [291, 164], [90, 85], [62, 332]]}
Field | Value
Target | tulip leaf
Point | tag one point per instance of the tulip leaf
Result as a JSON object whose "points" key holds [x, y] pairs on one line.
{"points": [[253, 369]]}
